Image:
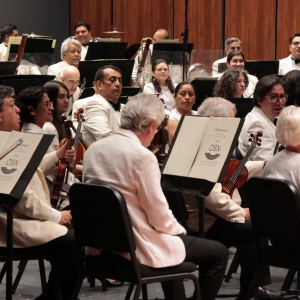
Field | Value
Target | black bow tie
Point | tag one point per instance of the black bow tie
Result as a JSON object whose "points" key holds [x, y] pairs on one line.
{"points": [[275, 121], [116, 105], [297, 61]]}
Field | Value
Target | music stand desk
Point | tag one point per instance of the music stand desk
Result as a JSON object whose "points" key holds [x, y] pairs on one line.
{"points": [[8, 67], [106, 50]]}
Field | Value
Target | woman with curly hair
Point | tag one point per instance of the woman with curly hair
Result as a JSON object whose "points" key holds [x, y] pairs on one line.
{"points": [[232, 83], [292, 87], [236, 59], [161, 84]]}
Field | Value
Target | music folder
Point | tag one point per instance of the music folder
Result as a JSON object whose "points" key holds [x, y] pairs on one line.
{"points": [[200, 152], [20, 156]]}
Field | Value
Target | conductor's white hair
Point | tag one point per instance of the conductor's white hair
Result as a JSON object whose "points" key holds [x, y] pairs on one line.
{"points": [[216, 107], [140, 111], [65, 46], [288, 129]]}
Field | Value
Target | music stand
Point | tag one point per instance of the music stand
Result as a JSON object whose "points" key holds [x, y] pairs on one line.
{"points": [[35, 46], [8, 67], [21, 82], [262, 68], [222, 67], [243, 106], [89, 68], [106, 50], [204, 87]]}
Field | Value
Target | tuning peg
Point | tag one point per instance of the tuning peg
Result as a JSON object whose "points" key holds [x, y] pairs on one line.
{"points": [[259, 140], [252, 135], [258, 144], [250, 140]]}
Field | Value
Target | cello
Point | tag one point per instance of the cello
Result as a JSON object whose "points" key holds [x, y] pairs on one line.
{"points": [[236, 173]]}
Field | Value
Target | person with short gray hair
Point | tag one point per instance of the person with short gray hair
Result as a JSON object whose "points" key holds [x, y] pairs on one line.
{"points": [[217, 106], [123, 161], [70, 54], [231, 44]]}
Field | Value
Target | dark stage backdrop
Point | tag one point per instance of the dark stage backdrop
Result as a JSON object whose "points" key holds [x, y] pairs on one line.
{"points": [[44, 17]]}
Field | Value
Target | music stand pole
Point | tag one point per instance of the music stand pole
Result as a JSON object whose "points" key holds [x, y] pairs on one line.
{"points": [[184, 34]]}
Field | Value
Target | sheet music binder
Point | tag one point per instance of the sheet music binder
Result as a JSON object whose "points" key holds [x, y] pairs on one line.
{"points": [[192, 184]]}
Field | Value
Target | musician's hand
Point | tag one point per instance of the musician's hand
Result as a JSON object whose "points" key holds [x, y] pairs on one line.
{"points": [[247, 216], [66, 217], [70, 155]]}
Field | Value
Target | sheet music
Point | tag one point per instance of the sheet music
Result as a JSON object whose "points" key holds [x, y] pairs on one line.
{"points": [[13, 40], [13, 164], [53, 44], [201, 147]]}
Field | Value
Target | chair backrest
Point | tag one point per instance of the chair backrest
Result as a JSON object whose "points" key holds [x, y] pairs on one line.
{"points": [[275, 209], [100, 218]]}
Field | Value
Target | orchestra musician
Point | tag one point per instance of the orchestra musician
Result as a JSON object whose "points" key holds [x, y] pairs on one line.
{"points": [[225, 220], [161, 84], [232, 83], [83, 35], [70, 55], [292, 88], [269, 100], [102, 115], [231, 44], [292, 61], [123, 161], [71, 78], [160, 34], [237, 59], [38, 228], [184, 97], [36, 110], [6, 32]]}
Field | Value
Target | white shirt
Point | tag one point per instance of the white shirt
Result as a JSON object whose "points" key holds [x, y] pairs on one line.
{"points": [[84, 50], [3, 50], [57, 69], [175, 115], [165, 94], [287, 64]]}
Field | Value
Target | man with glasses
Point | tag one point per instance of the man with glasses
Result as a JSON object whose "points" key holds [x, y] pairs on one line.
{"points": [[231, 44], [269, 101], [70, 55], [292, 62], [102, 115], [71, 78]]}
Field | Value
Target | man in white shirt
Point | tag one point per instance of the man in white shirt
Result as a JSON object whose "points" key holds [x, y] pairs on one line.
{"points": [[231, 44], [83, 35], [70, 55], [175, 72], [6, 32], [292, 62], [71, 78], [102, 115]]}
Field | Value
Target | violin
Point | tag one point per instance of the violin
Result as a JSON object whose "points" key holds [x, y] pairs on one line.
{"points": [[236, 173], [62, 167], [160, 140]]}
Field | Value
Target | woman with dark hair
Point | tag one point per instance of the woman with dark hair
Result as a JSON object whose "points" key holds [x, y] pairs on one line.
{"points": [[161, 84], [58, 94], [237, 59], [269, 101], [232, 83], [184, 98], [292, 87]]}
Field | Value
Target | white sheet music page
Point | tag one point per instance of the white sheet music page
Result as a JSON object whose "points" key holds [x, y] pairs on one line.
{"points": [[13, 40], [214, 148], [15, 157], [186, 146]]}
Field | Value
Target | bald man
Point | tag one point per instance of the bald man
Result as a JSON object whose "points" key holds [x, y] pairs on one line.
{"points": [[175, 72], [71, 78]]}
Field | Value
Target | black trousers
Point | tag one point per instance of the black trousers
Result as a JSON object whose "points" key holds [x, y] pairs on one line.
{"points": [[212, 259], [240, 235], [63, 253]]}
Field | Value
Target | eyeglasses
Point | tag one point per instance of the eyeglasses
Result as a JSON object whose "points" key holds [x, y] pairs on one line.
{"points": [[48, 104], [162, 70], [73, 82], [275, 99]]}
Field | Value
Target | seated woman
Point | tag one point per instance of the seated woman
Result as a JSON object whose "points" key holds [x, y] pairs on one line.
{"points": [[58, 94], [35, 110], [161, 84], [286, 164], [269, 100], [237, 59], [232, 83], [184, 98], [292, 87]]}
